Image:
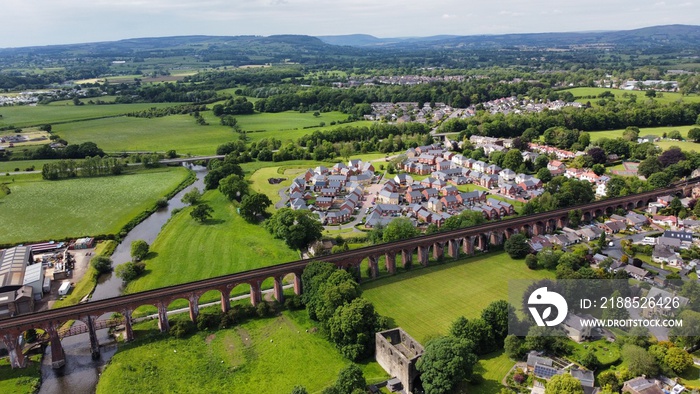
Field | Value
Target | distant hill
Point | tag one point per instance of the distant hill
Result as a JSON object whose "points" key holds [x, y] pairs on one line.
{"points": [[669, 35]]}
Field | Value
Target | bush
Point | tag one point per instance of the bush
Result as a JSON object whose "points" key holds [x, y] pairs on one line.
{"points": [[139, 249], [209, 321], [130, 271], [293, 302], [162, 203], [181, 328], [264, 309]]}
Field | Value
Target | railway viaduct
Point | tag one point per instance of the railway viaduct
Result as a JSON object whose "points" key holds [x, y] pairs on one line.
{"points": [[453, 243]]}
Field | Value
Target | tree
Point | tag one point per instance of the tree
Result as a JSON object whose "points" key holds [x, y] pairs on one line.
{"points": [[446, 361], [101, 264], [531, 261], [598, 169], [544, 174], [675, 206], [678, 359], [298, 229], [648, 166], [611, 380], [670, 156], [192, 197], [597, 155], [352, 328], [139, 249], [602, 241], [498, 315], [398, 229], [513, 159], [563, 384], [694, 134], [631, 134], [575, 217], [234, 187], [675, 135], [315, 274], [640, 362], [513, 347], [516, 246], [338, 289], [350, 379], [253, 205], [589, 360], [201, 212], [476, 331]]}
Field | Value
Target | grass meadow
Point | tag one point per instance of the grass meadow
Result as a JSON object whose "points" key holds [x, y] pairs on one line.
{"points": [[39, 210], [666, 97], [188, 251], [425, 301], [180, 132], [21, 380], [269, 355], [24, 115], [657, 131]]}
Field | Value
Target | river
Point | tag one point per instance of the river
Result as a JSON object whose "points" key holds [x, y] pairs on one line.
{"points": [[81, 372]]}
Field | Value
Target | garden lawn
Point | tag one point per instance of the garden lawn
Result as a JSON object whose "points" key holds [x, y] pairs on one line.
{"points": [[179, 132], [259, 356], [492, 368], [186, 251], [25, 115], [39, 210], [425, 301]]}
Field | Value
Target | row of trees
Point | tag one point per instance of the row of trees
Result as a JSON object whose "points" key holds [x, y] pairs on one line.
{"points": [[90, 167]]}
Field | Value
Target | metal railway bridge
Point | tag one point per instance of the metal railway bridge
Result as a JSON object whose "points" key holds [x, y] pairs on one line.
{"points": [[464, 241]]}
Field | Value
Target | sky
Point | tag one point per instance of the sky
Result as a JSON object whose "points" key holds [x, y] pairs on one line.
{"points": [[47, 22]]}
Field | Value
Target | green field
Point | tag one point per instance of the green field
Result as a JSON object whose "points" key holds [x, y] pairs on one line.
{"points": [[657, 131], [188, 251], [20, 381], [261, 185], [24, 115], [179, 132], [426, 301], [39, 210], [665, 98], [260, 356], [10, 166]]}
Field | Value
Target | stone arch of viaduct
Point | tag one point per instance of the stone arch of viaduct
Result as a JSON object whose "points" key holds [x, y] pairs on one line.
{"points": [[453, 243]]}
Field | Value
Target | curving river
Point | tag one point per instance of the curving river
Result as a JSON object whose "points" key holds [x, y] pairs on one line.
{"points": [[81, 372]]}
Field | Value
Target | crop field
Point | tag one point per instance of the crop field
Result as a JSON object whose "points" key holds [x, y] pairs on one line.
{"points": [[425, 301], [23, 115], [657, 131], [188, 251], [666, 97], [260, 356], [39, 210]]}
